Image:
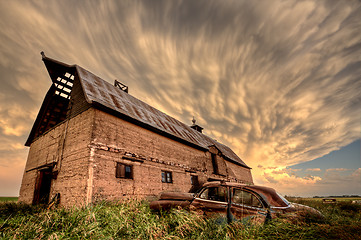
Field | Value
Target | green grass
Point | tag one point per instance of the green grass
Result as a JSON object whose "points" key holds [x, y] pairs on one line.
{"points": [[134, 220], [340, 199], [8, 199]]}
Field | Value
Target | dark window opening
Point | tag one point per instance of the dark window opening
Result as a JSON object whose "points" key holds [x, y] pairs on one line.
{"points": [[167, 177], [194, 180], [42, 187], [214, 163], [124, 171], [195, 184]]}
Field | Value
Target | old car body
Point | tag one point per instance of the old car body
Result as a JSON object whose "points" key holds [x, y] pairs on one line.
{"points": [[234, 201]]}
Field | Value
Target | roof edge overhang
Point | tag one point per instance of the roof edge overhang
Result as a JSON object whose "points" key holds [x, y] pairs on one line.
{"points": [[45, 58], [43, 107]]}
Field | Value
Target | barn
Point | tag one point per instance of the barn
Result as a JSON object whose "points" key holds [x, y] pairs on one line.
{"points": [[94, 141]]}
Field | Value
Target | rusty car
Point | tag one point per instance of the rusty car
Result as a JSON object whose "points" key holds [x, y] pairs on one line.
{"points": [[235, 201]]}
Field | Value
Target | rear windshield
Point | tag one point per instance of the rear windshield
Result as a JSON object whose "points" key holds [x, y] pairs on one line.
{"points": [[283, 199]]}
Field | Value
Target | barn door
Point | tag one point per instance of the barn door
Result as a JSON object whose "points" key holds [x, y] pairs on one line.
{"points": [[42, 187]]}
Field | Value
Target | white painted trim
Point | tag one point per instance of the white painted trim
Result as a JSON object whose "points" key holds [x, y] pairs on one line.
{"points": [[89, 194]]}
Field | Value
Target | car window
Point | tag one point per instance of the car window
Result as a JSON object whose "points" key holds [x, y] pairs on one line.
{"points": [[246, 198], [284, 199], [215, 194]]}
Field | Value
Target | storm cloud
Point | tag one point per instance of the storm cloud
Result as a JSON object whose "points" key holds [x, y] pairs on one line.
{"points": [[277, 81]]}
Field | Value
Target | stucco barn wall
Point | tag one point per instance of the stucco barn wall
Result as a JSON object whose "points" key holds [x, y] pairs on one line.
{"points": [[71, 156], [146, 180], [116, 132], [44, 150], [159, 153], [95, 141], [113, 138]]}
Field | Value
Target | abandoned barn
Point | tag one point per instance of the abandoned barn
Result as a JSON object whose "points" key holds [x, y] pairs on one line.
{"points": [[93, 141]]}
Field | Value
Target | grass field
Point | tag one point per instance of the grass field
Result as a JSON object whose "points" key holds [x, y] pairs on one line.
{"points": [[8, 199], [343, 199], [134, 220]]}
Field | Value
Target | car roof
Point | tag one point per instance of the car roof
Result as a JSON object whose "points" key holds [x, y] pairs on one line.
{"points": [[267, 193]]}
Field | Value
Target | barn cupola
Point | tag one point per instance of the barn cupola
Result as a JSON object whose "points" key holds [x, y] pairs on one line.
{"points": [[121, 86], [195, 126]]}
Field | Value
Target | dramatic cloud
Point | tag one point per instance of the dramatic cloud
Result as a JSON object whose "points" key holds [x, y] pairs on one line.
{"points": [[337, 170], [313, 170], [333, 182], [278, 81]]}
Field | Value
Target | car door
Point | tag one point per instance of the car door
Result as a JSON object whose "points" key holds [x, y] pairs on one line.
{"points": [[212, 201], [247, 205]]}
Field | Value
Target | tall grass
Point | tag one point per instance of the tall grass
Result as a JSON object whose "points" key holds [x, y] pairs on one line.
{"points": [[135, 220]]}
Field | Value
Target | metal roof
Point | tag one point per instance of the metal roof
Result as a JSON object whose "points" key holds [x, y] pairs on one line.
{"points": [[99, 92]]}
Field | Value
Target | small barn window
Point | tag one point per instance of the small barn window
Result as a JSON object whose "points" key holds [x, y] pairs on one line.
{"points": [[195, 184], [194, 180], [214, 163], [124, 171], [167, 177]]}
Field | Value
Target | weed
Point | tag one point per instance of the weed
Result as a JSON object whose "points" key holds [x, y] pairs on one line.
{"points": [[135, 220]]}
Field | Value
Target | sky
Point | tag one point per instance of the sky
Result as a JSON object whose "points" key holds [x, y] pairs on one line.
{"points": [[277, 81]]}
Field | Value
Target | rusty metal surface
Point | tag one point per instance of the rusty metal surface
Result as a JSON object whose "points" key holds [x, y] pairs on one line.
{"points": [[267, 193], [168, 204], [273, 204], [176, 196], [99, 91]]}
